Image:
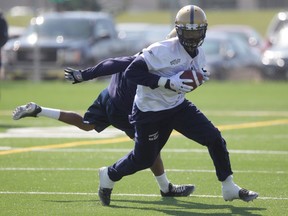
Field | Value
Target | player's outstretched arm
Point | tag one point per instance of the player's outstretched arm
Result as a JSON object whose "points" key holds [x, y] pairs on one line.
{"points": [[104, 68]]}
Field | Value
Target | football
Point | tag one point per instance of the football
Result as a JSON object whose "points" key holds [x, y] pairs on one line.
{"points": [[197, 78]]}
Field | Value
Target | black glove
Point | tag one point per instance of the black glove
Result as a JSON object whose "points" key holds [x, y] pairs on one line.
{"points": [[73, 75]]}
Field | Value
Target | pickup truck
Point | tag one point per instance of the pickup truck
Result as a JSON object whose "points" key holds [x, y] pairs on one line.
{"points": [[56, 40]]}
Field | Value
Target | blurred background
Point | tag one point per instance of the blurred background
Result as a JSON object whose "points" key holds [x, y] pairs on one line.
{"points": [[246, 39]]}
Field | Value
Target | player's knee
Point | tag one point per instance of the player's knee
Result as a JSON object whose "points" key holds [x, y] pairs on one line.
{"points": [[145, 162], [214, 139]]}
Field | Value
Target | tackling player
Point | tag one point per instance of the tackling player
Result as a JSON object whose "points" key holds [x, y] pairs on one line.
{"points": [[157, 111]]}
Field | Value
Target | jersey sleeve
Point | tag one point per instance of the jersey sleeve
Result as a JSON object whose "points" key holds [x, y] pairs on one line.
{"points": [[107, 67], [157, 56], [138, 73]]}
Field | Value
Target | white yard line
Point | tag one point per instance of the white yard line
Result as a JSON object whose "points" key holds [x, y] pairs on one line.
{"points": [[74, 132], [248, 113], [71, 132], [119, 194], [124, 150], [59, 132], [168, 170]]}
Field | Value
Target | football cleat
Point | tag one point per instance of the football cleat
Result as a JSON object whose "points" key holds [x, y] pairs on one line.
{"points": [[242, 194], [29, 110], [247, 195], [178, 190], [105, 186], [105, 195]]}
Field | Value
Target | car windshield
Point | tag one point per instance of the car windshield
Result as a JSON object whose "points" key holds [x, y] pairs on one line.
{"points": [[67, 28]]}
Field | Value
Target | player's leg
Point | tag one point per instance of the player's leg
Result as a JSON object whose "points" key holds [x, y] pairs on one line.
{"points": [[119, 119], [193, 124], [34, 110], [73, 118], [94, 118], [167, 189], [143, 155]]}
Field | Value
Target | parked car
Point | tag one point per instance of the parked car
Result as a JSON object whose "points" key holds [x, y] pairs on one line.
{"points": [[275, 58], [59, 39], [140, 35], [230, 58], [246, 33]]}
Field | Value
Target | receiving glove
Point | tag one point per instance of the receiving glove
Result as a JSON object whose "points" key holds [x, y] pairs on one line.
{"points": [[175, 83], [73, 75]]}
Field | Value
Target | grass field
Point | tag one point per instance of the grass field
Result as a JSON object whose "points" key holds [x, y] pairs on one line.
{"points": [[59, 176]]}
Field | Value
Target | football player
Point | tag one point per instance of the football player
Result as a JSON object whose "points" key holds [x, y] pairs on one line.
{"points": [[112, 107], [157, 110]]}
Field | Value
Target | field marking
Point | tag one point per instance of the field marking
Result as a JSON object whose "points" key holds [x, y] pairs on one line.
{"points": [[125, 139], [37, 169], [239, 113], [119, 194], [253, 124], [59, 132], [125, 150], [66, 145]]}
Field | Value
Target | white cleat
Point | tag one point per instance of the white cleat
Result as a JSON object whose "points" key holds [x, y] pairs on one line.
{"points": [[242, 194], [29, 110], [105, 186]]}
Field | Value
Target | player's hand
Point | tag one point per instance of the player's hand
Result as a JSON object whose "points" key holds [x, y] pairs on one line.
{"points": [[175, 83], [206, 75], [179, 85], [73, 75]]}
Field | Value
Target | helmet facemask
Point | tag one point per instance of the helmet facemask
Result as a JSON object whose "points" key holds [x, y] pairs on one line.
{"points": [[191, 38]]}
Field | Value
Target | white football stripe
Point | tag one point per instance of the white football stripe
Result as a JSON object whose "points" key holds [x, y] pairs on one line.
{"points": [[124, 150], [122, 195], [148, 170]]}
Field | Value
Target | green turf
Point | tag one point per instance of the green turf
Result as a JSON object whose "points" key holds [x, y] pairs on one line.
{"points": [[64, 181]]}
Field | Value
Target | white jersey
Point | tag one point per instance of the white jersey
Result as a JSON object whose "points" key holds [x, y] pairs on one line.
{"points": [[165, 59]]}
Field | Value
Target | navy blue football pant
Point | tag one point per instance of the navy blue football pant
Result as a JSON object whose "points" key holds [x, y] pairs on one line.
{"points": [[153, 130]]}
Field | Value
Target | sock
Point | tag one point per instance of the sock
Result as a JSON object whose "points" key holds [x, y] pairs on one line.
{"points": [[229, 188], [105, 181], [50, 113], [163, 182]]}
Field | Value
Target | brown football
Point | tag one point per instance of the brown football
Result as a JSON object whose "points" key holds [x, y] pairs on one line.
{"points": [[197, 77]]}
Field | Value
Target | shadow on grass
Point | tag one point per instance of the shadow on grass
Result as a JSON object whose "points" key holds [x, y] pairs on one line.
{"points": [[172, 206]]}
